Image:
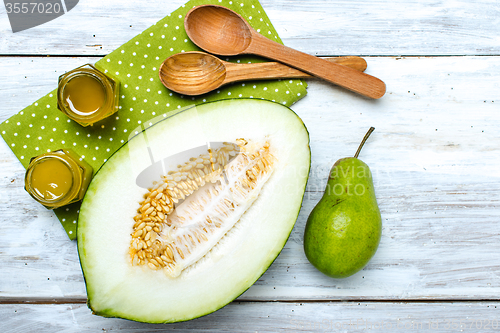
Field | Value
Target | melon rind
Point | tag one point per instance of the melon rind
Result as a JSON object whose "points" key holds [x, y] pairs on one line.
{"points": [[115, 288]]}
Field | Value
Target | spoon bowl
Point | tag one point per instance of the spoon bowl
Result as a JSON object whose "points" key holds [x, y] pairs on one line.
{"points": [[219, 30], [192, 73], [196, 73]]}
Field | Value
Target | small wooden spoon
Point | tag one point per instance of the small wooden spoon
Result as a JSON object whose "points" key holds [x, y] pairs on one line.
{"points": [[221, 31], [196, 73]]}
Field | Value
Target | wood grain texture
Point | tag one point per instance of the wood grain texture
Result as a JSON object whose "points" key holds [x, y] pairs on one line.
{"points": [[24, 80], [353, 317], [276, 70], [211, 27], [318, 27], [345, 77], [196, 73], [433, 155]]}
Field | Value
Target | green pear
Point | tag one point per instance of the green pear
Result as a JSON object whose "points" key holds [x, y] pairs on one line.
{"points": [[343, 230]]}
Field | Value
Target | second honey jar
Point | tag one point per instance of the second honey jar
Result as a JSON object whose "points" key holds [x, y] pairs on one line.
{"points": [[57, 178]]}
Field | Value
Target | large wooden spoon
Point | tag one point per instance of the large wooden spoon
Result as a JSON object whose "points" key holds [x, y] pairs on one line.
{"points": [[221, 31], [196, 73]]}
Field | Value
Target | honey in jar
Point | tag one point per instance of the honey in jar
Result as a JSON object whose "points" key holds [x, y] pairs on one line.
{"points": [[87, 95], [57, 178]]}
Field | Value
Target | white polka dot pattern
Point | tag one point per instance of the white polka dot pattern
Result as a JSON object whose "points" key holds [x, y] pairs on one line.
{"points": [[41, 127]]}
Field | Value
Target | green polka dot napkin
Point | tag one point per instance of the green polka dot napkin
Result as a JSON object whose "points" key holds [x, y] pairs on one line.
{"points": [[41, 127]]}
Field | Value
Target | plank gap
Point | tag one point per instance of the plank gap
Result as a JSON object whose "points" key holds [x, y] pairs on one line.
{"points": [[79, 300], [317, 55]]}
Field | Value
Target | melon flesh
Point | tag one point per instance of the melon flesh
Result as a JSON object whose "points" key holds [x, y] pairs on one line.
{"points": [[116, 288]]}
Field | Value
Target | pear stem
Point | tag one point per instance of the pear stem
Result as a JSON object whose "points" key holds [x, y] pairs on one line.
{"points": [[363, 142]]}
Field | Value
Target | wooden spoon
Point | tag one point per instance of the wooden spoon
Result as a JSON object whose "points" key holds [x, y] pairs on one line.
{"points": [[219, 30], [196, 73]]}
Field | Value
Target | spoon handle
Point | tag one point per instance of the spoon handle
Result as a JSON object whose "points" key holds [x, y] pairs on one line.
{"points": [[354, 62], [277, 70], [346, 77]]}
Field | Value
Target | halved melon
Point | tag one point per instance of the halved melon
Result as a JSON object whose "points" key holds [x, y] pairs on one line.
{"points": [[191, 212]]}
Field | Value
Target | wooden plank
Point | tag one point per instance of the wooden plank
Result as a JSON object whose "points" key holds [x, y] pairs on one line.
{"points": [[23, 80], [434, 156], [269, 317], [318, 27]]}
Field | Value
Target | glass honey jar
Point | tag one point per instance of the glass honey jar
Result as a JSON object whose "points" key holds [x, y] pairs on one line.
{"points": [[57, 178], [86, 95]]}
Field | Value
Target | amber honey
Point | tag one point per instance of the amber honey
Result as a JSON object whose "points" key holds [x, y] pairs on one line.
{"points": [[57, 178], [51, 179], [84, 95], [87, 95]]}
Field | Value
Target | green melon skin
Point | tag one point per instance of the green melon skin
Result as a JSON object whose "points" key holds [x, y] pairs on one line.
{"points": [[115, 288]]}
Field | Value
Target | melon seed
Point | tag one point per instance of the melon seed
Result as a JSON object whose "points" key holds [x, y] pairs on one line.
{"points": [[149, 246]]}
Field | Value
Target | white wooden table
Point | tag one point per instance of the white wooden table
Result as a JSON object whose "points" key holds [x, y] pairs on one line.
{"points": [[435, 157]]}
